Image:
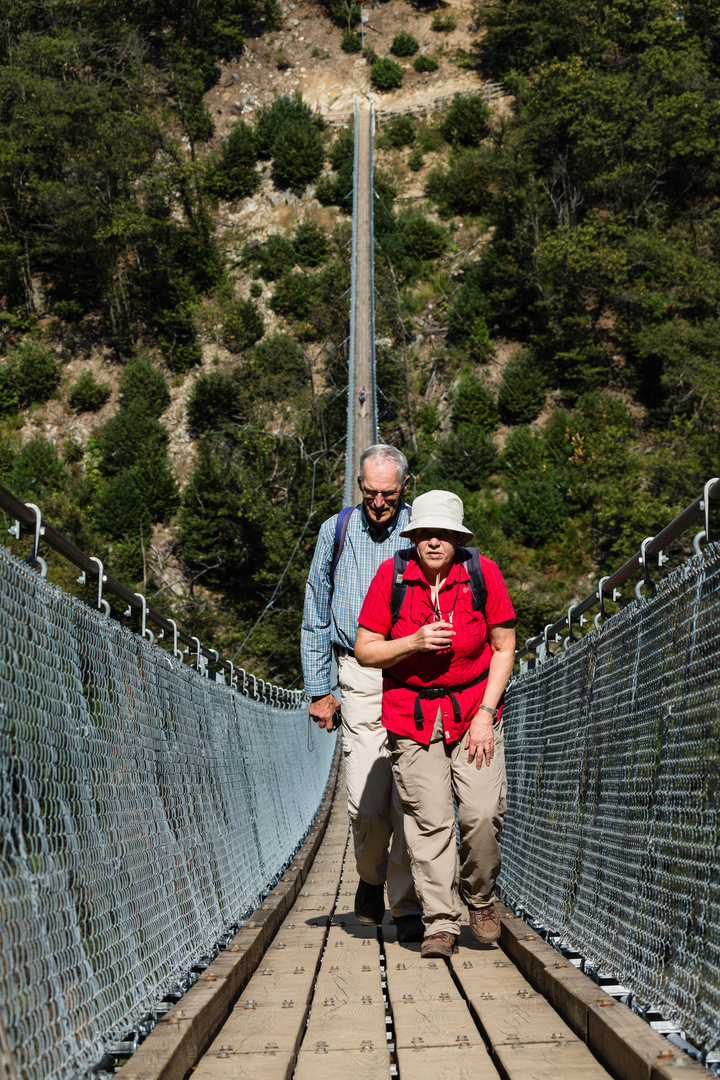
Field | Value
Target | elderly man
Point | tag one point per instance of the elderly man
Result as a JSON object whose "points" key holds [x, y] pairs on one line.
{"points": [[333, 599]]}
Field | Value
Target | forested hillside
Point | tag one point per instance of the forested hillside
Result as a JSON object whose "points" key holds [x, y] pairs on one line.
{"points": [[174, 271]]}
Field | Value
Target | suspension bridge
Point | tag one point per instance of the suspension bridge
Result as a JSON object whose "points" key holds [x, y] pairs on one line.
{"points": [[176, 885]]}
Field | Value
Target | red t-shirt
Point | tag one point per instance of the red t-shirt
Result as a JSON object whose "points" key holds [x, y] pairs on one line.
{"points": [[468, 657]]}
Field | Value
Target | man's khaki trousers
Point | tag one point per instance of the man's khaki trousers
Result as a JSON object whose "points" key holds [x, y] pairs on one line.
{"points": [[426, 777], [375, 812]]}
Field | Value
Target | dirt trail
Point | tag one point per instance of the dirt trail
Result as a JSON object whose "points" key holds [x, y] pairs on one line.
{"points": [[327, 77]]}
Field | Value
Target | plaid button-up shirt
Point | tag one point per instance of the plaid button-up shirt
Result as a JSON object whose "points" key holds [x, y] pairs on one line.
{"points": [[330, 614]]}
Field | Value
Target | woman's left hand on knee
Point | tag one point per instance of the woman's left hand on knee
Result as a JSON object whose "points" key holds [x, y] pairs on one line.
{"points": [[480, 742]]}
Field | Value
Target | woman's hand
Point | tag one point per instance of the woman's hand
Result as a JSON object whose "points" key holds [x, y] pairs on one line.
{"points": [[480, 742], [432, 637]]}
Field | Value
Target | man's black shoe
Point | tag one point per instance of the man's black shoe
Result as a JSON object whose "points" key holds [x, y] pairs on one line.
{"points": [[369, 903], [409, 928]]}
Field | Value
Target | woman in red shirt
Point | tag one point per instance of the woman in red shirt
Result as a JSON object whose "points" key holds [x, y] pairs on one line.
{"points": [[445, 668]]}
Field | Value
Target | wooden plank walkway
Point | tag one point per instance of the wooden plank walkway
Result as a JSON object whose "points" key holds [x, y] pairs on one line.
{"points": [[333, 999]]}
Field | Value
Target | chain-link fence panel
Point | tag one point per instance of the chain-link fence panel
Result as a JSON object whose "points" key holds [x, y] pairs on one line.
{"points": [[613, 827], [144, 810]]}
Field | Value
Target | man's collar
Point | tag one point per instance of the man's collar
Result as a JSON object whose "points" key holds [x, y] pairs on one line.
{"points": [[381, 534]]}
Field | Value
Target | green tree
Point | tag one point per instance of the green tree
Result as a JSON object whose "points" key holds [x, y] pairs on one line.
{"points": [[467, 121], [87, 394], [233, 173], [468, 456], [310, 243], [214, 402], [385, 74], [243, 325], [534, 511], [298, 156], [143, 386], [404, 44], [37, 471], [474, 404], [523, 389]]}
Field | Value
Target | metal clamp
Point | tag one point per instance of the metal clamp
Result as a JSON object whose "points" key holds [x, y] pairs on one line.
{"points": [[39, 531], [602, 614], [254, 690], [243, 689], [647, 580], [704, 534], [102, 605], [176, 652], [144, 631], [199, 658], [233, 677]]}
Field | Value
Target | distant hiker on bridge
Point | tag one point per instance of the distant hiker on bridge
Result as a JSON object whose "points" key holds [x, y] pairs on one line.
{"points": [[350, 548], [439, 622]]}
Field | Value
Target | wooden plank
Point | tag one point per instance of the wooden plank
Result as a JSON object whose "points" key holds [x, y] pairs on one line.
{"points": [[343, 982], [409, 975], [484, 972], [526, 948], [434, 1023], [462, 1062], [677, 1067], [249, 1031], [627, 1046], [569, 991], [373, 1063], [270, 1065], [506, 1019], [545, 1061], [346, 1026]]}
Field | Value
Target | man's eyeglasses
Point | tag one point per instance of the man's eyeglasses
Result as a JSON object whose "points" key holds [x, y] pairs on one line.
{"points": [[372, 495]]}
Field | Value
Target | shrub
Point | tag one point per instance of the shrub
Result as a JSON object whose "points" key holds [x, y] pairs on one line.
{"points": [[29, 373], [255, 289], [416, 161], [399, 132], [350, 41], [467, 121], [271, 119], [279, 368], [424, 238], [424, 64], [9, 399], [298, 156], [294, 296], [474, 404], [385, 74], [274, 256], [143, 386], [127, 437], [232, 174], [213, 402], [177, 337], [442, 24], [467, 325], [311, 244], [534, 511], [462, 189], [87, 394], [37, 471], [467, 457], [523, 388], [243, 326], [121, 508], [342, 149], [404, 44]]}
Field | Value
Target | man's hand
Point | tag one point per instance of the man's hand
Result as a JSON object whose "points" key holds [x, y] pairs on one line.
{"points": [[432, 637], [322, 710], [480, 742]]}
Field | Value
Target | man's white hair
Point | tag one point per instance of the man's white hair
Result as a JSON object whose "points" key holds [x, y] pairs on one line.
{"points": [[383, 452]]}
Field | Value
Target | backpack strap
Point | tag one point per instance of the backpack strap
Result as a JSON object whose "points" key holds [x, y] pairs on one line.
{"points": [[341, 528], [471, 562], [399, 585]]}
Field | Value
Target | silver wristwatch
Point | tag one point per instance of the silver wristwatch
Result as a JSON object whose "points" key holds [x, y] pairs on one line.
{"points": [[493, 712]]}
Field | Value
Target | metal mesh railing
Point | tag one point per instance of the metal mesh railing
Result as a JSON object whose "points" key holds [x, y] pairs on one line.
{"points": [[144, 810], [613, 828]]}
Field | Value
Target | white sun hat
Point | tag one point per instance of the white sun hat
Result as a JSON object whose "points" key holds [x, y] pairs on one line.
{"points": [[438, 510]]}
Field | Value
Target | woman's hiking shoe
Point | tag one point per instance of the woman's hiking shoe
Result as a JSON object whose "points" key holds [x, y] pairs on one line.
{"points": [[485, 923], [409, 928], [441, 944], [369, 904]]}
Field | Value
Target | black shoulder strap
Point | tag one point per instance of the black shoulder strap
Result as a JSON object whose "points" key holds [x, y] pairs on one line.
{"points": [[399, 585], [471, 562], [341, 528]]}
